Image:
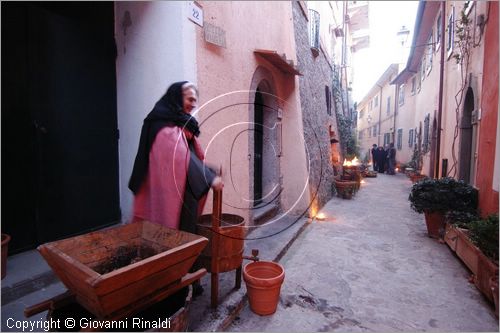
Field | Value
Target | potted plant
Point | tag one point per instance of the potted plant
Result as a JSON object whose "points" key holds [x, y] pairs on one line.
{"points": [[435, 197], [345, 188], [456, 233]]}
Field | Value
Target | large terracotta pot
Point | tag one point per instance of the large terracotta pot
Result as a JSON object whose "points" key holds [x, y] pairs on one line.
{"points": [[5, 252], [345, 188], [263, 280], [435, 223]]}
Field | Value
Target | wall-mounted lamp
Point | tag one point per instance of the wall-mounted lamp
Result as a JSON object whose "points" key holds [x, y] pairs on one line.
{"points": [[403, 35]]}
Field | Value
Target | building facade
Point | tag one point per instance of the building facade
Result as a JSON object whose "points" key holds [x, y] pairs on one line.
{"points": [[376, 114], [453, 94]]}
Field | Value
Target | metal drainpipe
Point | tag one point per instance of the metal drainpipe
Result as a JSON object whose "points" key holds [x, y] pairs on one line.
{"points": [[441, 87], [379, 114], [396, 109]]}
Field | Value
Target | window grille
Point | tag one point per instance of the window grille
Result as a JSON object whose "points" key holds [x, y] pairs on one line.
{"points": [[314, 29]]}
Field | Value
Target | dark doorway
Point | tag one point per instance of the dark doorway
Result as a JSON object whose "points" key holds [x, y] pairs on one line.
{"points": [[466, 139], [59, 126], [258, 147]]}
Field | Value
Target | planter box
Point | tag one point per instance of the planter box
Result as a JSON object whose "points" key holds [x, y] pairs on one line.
{"points": [[486, 269], [451, 236], [466, 250]]}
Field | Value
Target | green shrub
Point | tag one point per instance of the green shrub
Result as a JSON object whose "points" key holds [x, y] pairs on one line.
{"points": [[442, 195], [461, 219], [484, 233]]}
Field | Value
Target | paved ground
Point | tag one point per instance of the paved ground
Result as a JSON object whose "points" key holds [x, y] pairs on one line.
{"points": [[30, 280], [373, 268]]}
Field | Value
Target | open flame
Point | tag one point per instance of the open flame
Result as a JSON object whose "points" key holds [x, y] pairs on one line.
{"points": [[352, 162], [321, 217]]}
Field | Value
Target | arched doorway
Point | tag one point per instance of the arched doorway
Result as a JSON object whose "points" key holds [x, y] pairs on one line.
{"points": [[265, 147], [258, 147], [467, 139], [264, 150]]}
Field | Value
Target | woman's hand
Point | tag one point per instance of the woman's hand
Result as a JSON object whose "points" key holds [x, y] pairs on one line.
{"points": [[217, 183]]}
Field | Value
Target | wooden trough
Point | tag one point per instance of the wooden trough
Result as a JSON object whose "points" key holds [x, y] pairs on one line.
{"points": [[119, 271]]}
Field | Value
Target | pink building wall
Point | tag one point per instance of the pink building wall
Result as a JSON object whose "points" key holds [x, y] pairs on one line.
{"points": [[488, 196], [225, 77]]}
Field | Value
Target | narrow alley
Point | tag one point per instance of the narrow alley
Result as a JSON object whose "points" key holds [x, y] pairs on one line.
{"points": [[371, 267]]}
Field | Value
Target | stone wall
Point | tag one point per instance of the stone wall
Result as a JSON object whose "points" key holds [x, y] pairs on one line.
{"points": [[317, 74]]}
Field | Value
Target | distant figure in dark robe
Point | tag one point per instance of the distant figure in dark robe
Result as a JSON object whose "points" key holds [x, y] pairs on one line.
{"points": [[374, 154], [381, 159], [391, 156]]}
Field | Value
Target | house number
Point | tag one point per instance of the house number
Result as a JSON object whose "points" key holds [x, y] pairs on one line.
{"points": [[195, 13]]}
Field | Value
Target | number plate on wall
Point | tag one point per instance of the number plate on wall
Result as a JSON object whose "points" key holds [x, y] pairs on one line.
{"points": [[195, 13]]}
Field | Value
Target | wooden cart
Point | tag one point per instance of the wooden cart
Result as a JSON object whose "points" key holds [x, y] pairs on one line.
{"points": [[159, 260]]}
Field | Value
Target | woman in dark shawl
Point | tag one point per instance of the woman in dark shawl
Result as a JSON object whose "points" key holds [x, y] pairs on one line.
{"points": [[169, 179]]}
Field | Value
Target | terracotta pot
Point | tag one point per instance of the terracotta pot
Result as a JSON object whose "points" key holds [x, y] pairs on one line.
{"points": [[494, 292], [345, 188], [263, 280], [435, 223], [5, 250]]}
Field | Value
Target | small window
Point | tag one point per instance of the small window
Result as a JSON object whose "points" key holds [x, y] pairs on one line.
{"points": [[413, 85], [399, 142], [374, 132], [423, 66], [438, 32], [376, 101], [328, 101], [314, 29], [362, 113], [369, 132], [450, 32], [389, 105], [419, 81], [387, 138], [360, 135], [401, 94]]}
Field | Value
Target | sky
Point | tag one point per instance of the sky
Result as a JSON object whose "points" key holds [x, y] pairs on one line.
{"points": [[386, 19]]}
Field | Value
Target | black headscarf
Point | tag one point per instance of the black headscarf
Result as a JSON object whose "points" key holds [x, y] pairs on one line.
{"points": [[168, 111]]}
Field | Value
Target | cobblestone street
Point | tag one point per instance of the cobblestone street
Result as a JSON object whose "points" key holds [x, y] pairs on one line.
{"points": [[372, 267]]}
